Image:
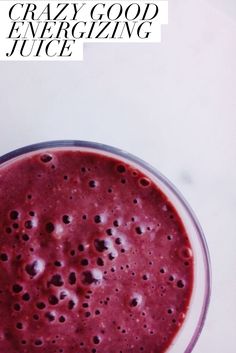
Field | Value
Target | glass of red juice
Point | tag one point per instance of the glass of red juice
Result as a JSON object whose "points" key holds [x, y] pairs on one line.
{"points": [[99, 253]]}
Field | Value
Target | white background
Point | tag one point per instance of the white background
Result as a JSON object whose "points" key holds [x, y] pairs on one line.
{"points": [[172, 104]]}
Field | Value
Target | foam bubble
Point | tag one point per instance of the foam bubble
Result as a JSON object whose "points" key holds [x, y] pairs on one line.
{"points": [[35, 268]]}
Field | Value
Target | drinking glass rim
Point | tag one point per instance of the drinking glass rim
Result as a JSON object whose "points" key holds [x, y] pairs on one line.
{"points": [[153, 171]]}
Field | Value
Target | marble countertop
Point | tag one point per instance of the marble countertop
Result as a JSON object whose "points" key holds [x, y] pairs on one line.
{"points": [[172, 104]]}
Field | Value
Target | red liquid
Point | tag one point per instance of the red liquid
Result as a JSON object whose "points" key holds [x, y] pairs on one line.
{"points": [[93, 257]]}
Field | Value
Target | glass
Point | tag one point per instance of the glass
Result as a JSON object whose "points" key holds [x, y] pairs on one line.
{"points": [[189, 332]]}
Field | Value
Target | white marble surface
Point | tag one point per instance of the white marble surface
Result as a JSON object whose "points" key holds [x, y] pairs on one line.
{"points": [[172, 104]]}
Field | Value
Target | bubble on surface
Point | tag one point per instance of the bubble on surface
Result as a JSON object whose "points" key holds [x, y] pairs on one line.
{"points": [[3, 257], [63, 295], [19, 325], [71, 304], [45, 158], [145, 182], [101, 245], [121, 168], [28, 224], [38, 342], [53, 300], [72, 278], [180, 284], [84, 262], [17, 288], [49, 227], [170, 311], [185, 253], [8, 230], [50, 316], [97, 274], [14, 215], [135, 300], [41, 305], [89, 277], [118, 241], [17, 307], [139, 230], [81, 247], [26, 297], [96, 339], [116, 223], [62, 319], [57, 263], [25, 237], [100, 261], [97, 219], [35, 268], [92, 184], [56, 280], [111, 256], [109, 231], [66, 219]]}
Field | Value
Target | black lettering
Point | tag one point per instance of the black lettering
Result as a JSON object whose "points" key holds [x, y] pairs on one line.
{"points": [[64, 6], [39, 47], [46, 11], [13, 48], [11, 9], [115, 29], [81, 34], [33, 30], [48, 45], [91, 30], [66, 25], [128, 10], [30, 10], [92, 11], [67, 46], [146, 34], [76, 10], [105, 27], [127, 27], [23, 51], [146, 10], [111, 8], [47, 27], [16, 29]]}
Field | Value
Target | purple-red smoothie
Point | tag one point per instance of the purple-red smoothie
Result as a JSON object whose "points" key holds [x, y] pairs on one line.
{"points": [[93, 257]]}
